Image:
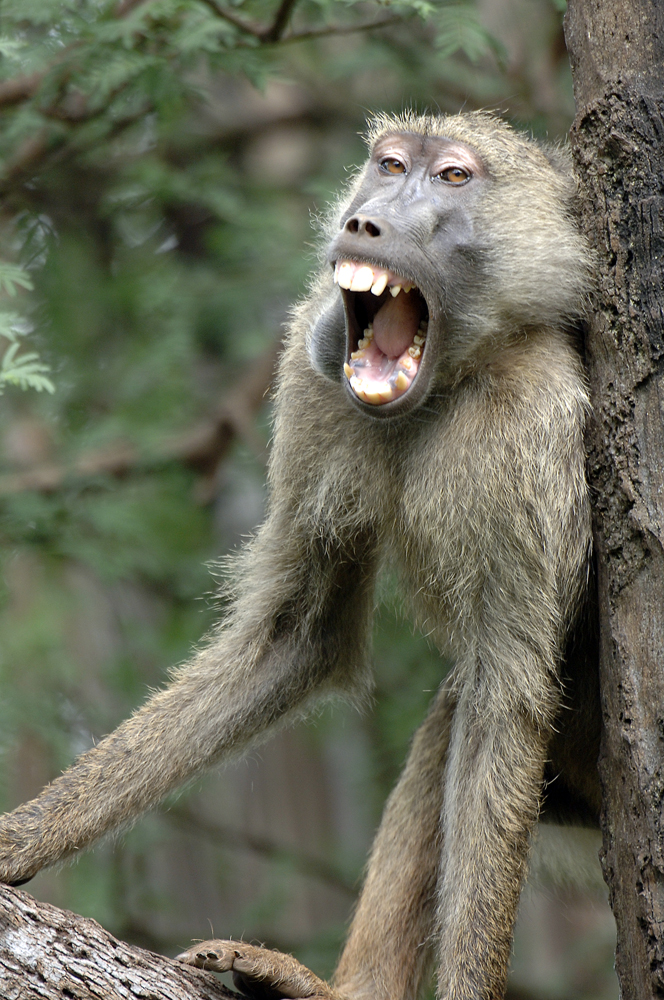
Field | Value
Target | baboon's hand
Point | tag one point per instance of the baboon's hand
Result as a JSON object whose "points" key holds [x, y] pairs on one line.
{"points": [[21, 847], [259, 973]]}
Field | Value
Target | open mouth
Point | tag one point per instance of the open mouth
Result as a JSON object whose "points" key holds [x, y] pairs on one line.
{"points": [[388, 321]]}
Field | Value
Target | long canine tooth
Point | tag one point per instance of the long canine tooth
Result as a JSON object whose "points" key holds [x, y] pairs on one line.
{"points": [[348, 370], [394, 290], [379, 285], [362, 280], [345, 275], [401, 382]]}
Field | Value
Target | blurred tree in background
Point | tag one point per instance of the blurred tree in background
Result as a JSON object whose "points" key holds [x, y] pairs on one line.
{"points": [[162, 161]]}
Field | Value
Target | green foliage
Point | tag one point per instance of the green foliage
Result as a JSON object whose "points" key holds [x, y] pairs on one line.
{"points": [[24, 370], [12, 278], [459, 30]]}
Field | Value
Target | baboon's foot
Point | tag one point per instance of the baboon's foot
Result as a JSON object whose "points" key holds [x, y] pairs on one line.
{"points": [[259, 973]]}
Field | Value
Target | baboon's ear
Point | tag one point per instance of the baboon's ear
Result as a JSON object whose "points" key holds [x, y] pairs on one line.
{"points": [[327, 343]]}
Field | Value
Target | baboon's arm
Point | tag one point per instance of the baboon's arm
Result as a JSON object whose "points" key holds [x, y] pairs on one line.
{"points": [[299, 624]]}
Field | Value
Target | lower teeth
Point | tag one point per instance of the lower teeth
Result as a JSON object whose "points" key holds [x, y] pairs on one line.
{"points": [[381, 392]]}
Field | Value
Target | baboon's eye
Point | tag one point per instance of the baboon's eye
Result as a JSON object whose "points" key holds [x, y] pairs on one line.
{"points": [[392, 165], [454, 175]]}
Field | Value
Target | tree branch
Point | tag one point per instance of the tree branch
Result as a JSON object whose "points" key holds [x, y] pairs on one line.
{"points": [[50, 953], [248, 27], [20, 88], [274, 33], [126, 6], [341, 29], [52, 145], [202, 447], [30, 152]]}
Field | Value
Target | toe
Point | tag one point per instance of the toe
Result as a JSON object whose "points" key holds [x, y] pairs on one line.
{"points": [[216, 956]]}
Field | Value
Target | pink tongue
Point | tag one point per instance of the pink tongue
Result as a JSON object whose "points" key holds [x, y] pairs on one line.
{"points": [[395, 324]]}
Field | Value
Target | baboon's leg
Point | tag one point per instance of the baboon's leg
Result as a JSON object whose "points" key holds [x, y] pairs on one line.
{"points": [[260, 973], [391, 937], [300, 624], [493, 784], [389, 944]]}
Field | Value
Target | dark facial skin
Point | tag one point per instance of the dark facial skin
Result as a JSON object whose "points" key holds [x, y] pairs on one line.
{"points": [[413, 216]]}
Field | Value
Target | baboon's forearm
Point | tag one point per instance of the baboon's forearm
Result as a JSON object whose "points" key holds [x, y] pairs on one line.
{"points": [[212, 707], [261, 666]]}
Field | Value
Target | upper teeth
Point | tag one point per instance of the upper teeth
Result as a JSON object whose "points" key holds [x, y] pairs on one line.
{"points": [[362, 277], [378, 284], [362, 280]]}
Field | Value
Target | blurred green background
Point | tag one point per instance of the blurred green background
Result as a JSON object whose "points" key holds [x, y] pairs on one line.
{"points": [[164, 163]]}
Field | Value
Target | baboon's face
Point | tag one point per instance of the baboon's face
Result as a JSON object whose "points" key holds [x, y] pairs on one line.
{"points": [[405, 261]]}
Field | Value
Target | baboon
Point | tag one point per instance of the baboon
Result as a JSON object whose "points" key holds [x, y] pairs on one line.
{"points": [[430, 413]]}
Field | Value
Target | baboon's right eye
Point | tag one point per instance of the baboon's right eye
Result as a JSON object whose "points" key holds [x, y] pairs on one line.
{"points": [[455, 175], [392, 165]]}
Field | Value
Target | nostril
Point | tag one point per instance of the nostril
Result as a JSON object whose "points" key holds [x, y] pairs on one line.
{"points": [[361, 225]]}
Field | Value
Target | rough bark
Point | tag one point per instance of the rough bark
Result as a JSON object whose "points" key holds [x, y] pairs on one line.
{"points": [[617, 54], [51, 954]]}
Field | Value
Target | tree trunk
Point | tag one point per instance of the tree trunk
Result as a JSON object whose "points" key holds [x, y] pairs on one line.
{"points": [[52, 954], [617, 55]]}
